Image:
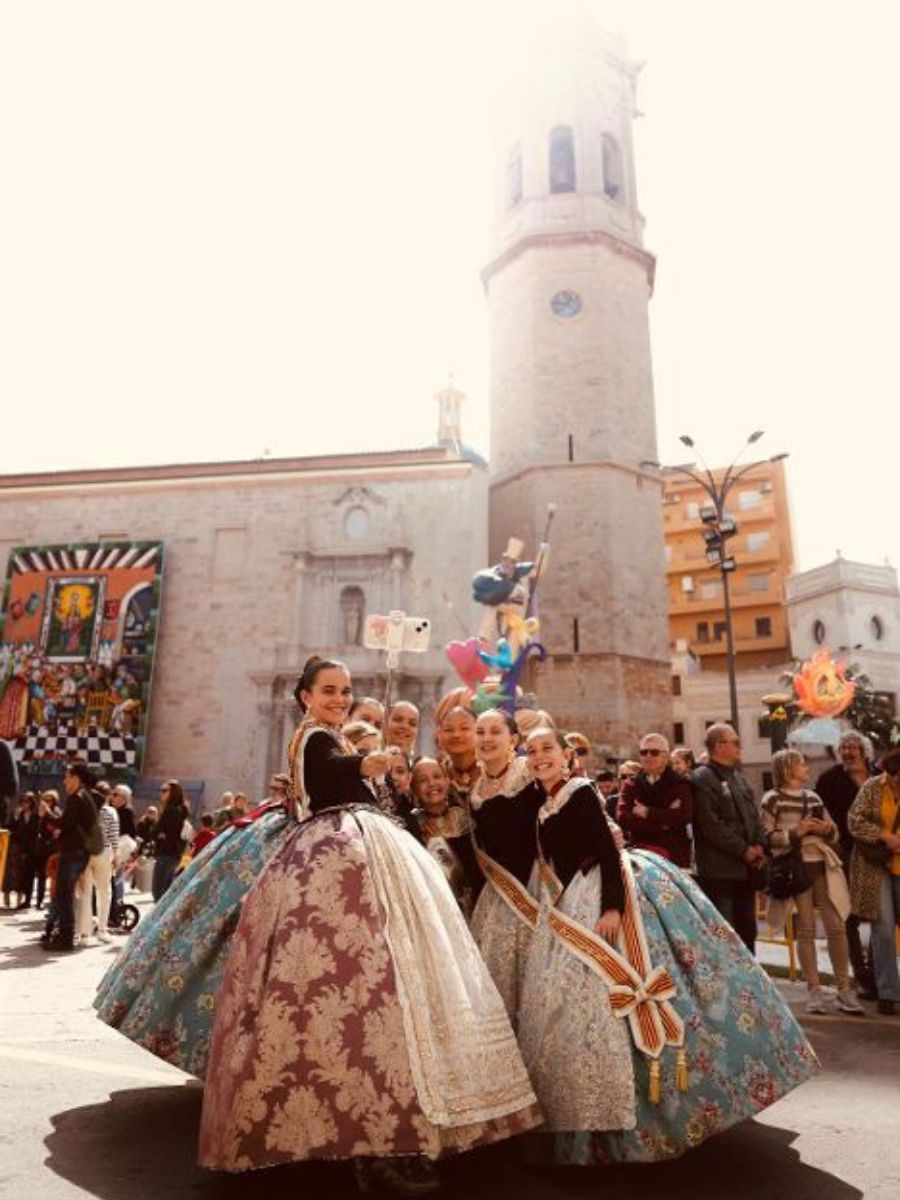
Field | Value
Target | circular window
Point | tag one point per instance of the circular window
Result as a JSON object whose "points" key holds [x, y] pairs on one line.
{"points": [[356, 524], [818, 632], [876, 626]]}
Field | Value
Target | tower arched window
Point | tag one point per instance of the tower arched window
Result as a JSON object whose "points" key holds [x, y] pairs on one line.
{"points": [[562, 159], [613, 175], [353, 611], [514, 176]]}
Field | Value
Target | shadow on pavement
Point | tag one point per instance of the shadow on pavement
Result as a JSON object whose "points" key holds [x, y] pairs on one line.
{"points": [[143, 1143], [31, 954]]}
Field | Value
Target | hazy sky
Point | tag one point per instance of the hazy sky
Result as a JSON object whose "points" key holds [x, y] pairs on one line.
{"points": [[232, 229]]}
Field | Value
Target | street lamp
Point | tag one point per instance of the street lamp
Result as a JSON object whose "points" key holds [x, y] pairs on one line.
{"points": [[718, 527]]}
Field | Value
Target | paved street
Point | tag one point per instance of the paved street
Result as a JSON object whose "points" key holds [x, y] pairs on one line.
{"points": [[85, 1113]]}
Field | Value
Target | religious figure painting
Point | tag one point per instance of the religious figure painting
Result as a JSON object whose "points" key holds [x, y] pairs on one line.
{"points": [[71, 611]]}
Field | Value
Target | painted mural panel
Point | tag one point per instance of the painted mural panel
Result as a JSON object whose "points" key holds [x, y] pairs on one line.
{"points": [[78, 629]]}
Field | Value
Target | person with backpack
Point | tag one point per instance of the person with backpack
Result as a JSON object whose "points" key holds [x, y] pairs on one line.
{"points": [[80, 836]]}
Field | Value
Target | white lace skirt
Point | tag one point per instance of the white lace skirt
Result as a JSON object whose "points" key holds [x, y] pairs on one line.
{"points": [[504, 941], [577, 1053]]}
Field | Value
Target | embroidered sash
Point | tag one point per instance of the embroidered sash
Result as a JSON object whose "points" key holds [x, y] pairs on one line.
{"points": [[638, 991], [516, 897]]}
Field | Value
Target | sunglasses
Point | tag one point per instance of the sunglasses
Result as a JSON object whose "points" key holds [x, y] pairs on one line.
{"points": [[651, 753], [580, 751]]}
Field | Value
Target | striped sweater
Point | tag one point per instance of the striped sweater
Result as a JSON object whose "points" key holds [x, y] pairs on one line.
{"points": [[781, 814], [109, 823]]}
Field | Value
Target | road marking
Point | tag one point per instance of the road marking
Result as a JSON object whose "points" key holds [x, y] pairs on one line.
{"points": [[113, 1070]]}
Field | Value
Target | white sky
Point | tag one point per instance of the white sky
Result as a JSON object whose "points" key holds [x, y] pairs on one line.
{"points": [[231, 229]]}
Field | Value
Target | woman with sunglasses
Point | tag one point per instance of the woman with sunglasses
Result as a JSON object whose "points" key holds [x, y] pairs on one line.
{"points": [[656, 806]]}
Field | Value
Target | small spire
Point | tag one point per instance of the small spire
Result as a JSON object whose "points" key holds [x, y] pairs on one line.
{"points": [[449, 417]]}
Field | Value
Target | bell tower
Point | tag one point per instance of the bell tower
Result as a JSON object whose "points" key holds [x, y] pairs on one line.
{"points": [[572, 413]]}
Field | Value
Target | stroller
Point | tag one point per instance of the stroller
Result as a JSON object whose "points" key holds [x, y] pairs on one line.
{"points": [[122, 915]]}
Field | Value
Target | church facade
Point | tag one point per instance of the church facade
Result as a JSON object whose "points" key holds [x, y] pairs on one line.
{"points": [[268, 562]]}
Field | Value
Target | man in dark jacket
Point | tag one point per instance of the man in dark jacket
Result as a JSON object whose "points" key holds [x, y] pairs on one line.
{"points": [[120, 799], [77, 825], [728, 836], [655, 808]]}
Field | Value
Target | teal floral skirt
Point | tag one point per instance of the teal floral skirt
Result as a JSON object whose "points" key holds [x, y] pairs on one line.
{"points": [[161, 991], [744, 1048]]}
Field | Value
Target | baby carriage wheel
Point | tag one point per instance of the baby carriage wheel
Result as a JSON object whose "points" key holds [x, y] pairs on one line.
{"points": [[129, 915]]}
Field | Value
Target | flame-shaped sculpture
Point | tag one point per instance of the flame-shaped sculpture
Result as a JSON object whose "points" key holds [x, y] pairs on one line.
{"points": [[821, 686]]}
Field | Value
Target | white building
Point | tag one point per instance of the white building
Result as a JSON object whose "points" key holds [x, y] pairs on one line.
{"points": [[854, 610]]}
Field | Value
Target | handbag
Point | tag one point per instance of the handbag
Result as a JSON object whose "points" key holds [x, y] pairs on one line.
{"points": [[93, 839], [785, 874]]}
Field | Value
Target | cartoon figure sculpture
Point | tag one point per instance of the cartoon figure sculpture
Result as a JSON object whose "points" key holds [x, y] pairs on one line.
{"points": [[821, 686], [505, 591]]}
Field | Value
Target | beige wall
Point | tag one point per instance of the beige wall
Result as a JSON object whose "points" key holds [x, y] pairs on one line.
{"points": [[254, 569]]}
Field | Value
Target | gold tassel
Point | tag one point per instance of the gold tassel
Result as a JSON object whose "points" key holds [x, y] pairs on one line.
{"points": [[655, 1095], [681, 1071]]}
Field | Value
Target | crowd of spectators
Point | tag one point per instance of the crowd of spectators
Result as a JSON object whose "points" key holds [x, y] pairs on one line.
{"points": [[844, 834], [69, 851]]}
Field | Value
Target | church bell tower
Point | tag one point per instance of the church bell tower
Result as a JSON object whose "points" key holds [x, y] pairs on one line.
{"points": [[572, 413]]}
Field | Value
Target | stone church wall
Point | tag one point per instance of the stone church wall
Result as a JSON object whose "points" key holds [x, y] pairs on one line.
{"points": [[256, 565]]}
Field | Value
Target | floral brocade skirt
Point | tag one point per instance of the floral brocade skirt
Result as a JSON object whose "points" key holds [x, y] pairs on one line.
{"points": [[744, 1048], [161, 990], [356, 1017]]}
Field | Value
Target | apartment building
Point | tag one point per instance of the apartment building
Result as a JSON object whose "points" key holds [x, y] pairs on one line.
{"points": [[763, 551]]}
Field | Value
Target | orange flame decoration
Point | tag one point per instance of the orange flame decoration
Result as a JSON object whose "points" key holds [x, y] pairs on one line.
{"points": [[821, 686]]}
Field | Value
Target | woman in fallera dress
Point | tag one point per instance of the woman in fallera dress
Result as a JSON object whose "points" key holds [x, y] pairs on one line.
{"points": [[503, 811], [455, 723], [645, 1023], [445, 831], [356, 1018]]}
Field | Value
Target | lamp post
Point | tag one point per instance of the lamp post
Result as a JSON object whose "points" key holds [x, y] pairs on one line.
{"points": [[718, 526]]}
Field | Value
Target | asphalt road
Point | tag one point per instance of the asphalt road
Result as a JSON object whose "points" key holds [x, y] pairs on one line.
{"points": [[85, 1113]]}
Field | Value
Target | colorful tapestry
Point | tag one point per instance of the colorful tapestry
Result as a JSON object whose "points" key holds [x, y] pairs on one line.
{"points": [[78, 630]]}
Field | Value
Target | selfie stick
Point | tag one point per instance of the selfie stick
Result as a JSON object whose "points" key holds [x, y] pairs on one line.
{"points": [[394, 644]]}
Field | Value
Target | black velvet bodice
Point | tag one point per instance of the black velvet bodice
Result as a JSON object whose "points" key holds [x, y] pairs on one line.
{"points": [[330, 776], [505, 829], [577, 838]]}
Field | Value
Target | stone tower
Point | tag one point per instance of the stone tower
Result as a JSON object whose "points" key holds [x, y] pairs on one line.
{"points": [[568, 286]]}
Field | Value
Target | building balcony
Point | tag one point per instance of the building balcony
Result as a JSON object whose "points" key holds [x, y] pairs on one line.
{"points": [[718, 647]]}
